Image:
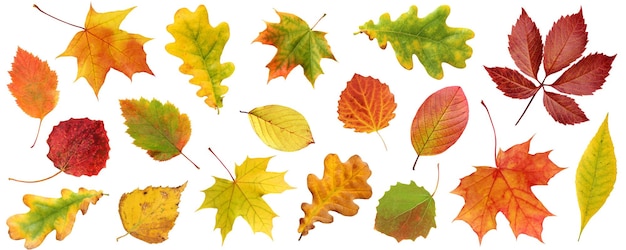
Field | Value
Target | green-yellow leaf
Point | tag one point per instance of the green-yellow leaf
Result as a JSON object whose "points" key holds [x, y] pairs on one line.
{"points": [[429, 38], [280, 127], [47, 214], [596, 174], [242, 196], [200, 47]]}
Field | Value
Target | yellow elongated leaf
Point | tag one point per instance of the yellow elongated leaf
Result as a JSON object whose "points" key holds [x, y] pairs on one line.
{"points": [[281, 128], [596, 174], [149, 214]]}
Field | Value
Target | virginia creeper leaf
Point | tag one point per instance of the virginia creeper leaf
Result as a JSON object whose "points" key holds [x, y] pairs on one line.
{"points": [[596, 174], [512, 83], [79, 146], [158, 128], [429, 38], [585, 76], [439, 121], [200, 46], [565, 42], [342, 183], [149, 214], [525, 45], [406, 211], [507, 189], [47, 214], [34, 86], [366, 105], [281, 128], [563, 108], [296, 44], [102, 46], [243, 196]]}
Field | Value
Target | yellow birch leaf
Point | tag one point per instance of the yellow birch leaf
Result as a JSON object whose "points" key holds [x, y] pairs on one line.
{"points": [[280, 127], [149, 214], [596, 174]]}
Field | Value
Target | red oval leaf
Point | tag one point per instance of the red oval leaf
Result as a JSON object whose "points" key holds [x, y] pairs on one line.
{"points": [[563, 109], [565, 42], [525, 45], [79, 146]]}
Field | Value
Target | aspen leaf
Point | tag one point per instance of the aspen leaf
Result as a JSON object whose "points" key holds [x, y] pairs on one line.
{"points": [[296, 44], [429, 38], [406, 211], [281, 128], [507, 189], [200, 47], [103, 46], [34, 86], [243, 196], [596, 174], [47, 214], [342, 183], [366, 105], [149, 214]]}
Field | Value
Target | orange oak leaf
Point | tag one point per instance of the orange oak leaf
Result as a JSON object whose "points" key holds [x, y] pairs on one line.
{"points": [[366, 105], [507, 189], [102, 46], [34, 86], [343, 182]]}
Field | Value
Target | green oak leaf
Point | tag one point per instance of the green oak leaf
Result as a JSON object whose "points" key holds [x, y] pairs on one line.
{"points": [[430, 38], [406, 211]]}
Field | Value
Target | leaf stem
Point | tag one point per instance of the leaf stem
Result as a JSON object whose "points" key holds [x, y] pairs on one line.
{"points": [[437, 183], [415, 163], [223, 165], [37, 7], [493, 128], [383, 140], [118, 238], [37, 136], [194, 164], [318, 20], [44, 179]]}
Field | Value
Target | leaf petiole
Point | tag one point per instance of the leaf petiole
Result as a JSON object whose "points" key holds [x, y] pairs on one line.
{"points": [[53, 17], [44, 179], [223, 165], [493, 128]]}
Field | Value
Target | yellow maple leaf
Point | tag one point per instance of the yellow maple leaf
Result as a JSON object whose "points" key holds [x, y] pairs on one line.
{"points": [[242, 196]]}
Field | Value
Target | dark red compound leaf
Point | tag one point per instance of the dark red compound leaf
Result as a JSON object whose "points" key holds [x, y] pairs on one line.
{"points": [[79, 146]]}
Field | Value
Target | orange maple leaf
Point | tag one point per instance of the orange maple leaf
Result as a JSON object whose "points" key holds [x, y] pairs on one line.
{"points": [[506, 189], [102, 46]]}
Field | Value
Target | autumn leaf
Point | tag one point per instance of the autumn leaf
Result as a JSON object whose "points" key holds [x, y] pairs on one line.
{"points": [[47, 214], [156, 127], [242, 195], [596, 174], [281, 128], [429, 38], [406, 211], [439, 122], [296, 44], [564, 44], [200, 47], [102, 46], [342, 183], [507, 189], [149, 214], [366, 105], [34, 86]]}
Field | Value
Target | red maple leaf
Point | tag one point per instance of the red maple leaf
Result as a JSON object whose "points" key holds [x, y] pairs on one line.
{"points": [[564, 44]]}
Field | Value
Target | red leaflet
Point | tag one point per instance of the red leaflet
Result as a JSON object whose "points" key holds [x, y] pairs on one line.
{"points": [[564, 44], [525, 45]]}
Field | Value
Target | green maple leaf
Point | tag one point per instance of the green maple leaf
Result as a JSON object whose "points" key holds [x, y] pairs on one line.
{"points": [[406, 212], [242, 196], [429, 38], [296, 44]]}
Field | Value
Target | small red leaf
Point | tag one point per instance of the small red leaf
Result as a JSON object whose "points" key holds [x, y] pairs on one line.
{"points": [[563, 109], [79, 146], [565, 42], [586, 76], [525, 45], [512, 83]]}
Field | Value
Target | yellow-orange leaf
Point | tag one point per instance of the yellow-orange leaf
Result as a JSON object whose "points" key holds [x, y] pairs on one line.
{"points": [[103, 46], [343, 182]]}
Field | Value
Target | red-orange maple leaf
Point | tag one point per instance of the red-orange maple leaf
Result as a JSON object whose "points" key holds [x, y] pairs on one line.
{"points": [[506, 189]]}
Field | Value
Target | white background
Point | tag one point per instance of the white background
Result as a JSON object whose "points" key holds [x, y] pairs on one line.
{"points": [[229, 134]]}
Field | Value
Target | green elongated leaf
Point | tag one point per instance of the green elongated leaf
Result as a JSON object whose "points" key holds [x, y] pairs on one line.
{"points": [[158, 128], [280, 127], [596, 174], [429, 38], [406, 211], [200, 47]]}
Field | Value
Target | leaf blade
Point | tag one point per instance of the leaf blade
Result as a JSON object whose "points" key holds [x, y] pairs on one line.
{"points": [[366, 104], [525, 45], [563, 109], [512, 83], [585, 76], [565, 42], [281, 128]]}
